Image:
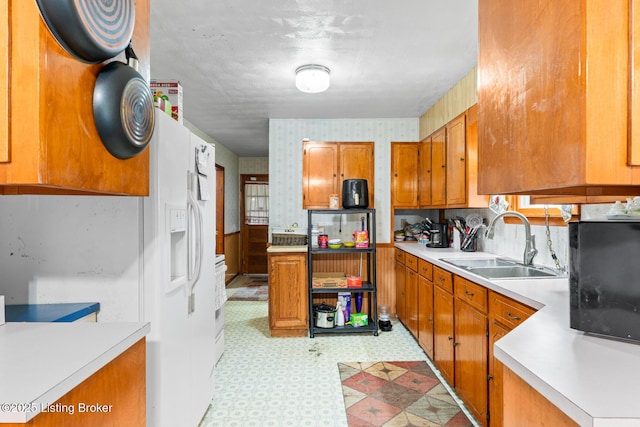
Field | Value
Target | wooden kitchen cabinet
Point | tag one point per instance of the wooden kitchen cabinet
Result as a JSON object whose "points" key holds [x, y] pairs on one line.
{"points": [[504, 315], [559, 98], [524, 406], [288, 298], [425, 307], [471, 346], [441, 171], [456, 171], [425, 171], [443, 326], [439, 168], [325, 165], [401, 274], [404, 174], [48, 140], [411, 295]]}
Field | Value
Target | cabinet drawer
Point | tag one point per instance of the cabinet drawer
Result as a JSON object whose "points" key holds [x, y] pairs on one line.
{"points": [[411, 261], [507, 311], [443, 279], [400, 256], [425, 269], [472, 293]]}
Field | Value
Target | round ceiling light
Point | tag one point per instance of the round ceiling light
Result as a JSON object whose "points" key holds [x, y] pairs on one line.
{"points": [[312, 78]]}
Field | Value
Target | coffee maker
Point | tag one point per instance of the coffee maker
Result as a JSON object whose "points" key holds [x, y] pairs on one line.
{"points": [[439, 238]]}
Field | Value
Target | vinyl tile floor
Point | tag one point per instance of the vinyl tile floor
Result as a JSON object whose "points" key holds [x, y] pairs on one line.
{"points": [[265, 381]]}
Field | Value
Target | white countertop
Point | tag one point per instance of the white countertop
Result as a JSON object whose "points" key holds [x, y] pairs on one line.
{"points": [[595, 381], [41, 362]]}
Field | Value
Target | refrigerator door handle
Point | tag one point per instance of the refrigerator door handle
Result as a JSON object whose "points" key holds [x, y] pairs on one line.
{"points": [[194, 230]]}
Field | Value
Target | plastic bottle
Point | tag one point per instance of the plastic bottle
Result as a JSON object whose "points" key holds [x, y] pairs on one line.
{"points": [[339, 313]]}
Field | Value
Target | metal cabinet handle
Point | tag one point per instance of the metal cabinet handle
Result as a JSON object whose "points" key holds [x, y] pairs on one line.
{"points": [[466, 292], [450, 338], [511, 316]]}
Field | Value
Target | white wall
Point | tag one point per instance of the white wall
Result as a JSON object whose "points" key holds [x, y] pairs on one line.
{"points": [[72, 249], [285, 161]]}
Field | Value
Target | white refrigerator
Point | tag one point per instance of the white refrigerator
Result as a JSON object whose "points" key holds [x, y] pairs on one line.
{"points": [[137, 257], [179, 276]]}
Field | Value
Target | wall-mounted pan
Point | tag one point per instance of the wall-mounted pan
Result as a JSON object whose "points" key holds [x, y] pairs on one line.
{"points": [[123, 108], [90, 30]]}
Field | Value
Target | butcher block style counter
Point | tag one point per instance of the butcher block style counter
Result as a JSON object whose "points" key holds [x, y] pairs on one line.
{"points": [[593, 381], [72, 373]]}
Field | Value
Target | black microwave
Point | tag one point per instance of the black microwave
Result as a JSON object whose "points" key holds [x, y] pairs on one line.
{"points": [[604, 278]]}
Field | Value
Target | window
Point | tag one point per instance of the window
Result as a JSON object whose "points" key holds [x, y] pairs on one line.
{"points": [[256, 202], [536, 212]]}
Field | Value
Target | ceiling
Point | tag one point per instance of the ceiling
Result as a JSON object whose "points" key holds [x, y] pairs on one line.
{"points": [[236, 59]]}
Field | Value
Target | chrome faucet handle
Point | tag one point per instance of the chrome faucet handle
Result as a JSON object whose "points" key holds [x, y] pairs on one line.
{"points": [[530, 250]]}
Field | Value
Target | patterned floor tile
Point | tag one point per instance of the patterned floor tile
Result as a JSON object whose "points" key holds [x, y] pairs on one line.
{"points": [[261, 380]]}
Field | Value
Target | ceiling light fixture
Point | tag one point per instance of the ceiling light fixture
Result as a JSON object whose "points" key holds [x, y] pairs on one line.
{"points": [[312, 78]]}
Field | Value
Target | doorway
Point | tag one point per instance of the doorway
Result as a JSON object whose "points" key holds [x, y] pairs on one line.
{"points": [[254, 211]]}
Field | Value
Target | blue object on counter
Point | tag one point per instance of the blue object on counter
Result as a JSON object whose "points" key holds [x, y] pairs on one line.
{"points": [[65, 312]]}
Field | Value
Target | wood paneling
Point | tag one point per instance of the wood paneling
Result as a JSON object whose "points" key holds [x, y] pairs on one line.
{"points": [[121, 384], [462, 96], [385, 262], [232, 255]]}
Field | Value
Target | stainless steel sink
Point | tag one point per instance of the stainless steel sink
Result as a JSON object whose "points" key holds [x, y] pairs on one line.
{"points": [[480, 262], [502, 268], [514, 272]]}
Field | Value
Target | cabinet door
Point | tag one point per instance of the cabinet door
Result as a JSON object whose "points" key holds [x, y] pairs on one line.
{"points": [[443, 354], [319, 174], [553, 84], [288, 304], [4, 83], [496, 331], [400, 291], [357, 162], [438, 168], [411, 301], [425, 315], [456, 171], [424, 173], [471, 358], [404, 174], [54, 146]]}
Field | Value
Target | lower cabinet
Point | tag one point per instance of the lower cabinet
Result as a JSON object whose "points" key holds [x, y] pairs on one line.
{"points": [[471, 351], [504, 315], [443, 350], [411, 301], [525, 407], [425, 315], [457, 324], [288, 294]]}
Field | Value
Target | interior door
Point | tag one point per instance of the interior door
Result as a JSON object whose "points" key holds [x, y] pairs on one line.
{"points": [[219, 209], [255, 224]]}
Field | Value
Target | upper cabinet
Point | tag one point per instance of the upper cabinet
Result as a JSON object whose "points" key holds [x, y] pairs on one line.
{"points": [[48, 139], [440, 171], [325, 165], [558, 97], [404, 174]]}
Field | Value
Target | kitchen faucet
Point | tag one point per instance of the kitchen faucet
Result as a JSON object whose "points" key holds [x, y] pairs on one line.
{"points": [[530, 250]]}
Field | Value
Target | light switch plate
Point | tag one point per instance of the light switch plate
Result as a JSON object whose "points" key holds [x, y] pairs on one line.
{"points": [[1, 309]]}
